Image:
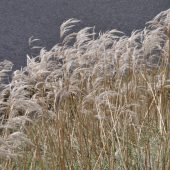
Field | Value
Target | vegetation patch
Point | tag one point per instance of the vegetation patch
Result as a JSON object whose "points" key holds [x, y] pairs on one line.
{"points": [[91, 102]]}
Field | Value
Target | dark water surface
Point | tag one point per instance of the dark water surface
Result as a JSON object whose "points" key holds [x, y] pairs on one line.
{"points": [[21, 19]]}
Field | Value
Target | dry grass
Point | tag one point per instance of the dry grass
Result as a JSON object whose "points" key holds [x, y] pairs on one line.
{"points": [[91, 102]]}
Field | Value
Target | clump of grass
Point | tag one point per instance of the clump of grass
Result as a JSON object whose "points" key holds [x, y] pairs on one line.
{"points": [[92, 103]]}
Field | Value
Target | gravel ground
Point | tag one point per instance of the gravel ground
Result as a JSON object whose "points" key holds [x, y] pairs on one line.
{"points": [[21, 19]]}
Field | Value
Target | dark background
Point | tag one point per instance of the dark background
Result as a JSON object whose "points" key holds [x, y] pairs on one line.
{"points": [[21, 19]]}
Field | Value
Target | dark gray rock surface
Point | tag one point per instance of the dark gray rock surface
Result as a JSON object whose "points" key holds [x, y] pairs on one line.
{"points": [[21, 19]]}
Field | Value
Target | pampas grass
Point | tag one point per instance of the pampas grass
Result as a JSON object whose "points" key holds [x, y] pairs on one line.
{"points": [[91, 102]]}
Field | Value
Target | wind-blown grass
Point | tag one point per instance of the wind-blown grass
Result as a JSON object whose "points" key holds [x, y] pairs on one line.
{"points": [[91, 102]]}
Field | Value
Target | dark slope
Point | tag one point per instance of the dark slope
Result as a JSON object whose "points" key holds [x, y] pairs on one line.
{"points": [[21, 19]]}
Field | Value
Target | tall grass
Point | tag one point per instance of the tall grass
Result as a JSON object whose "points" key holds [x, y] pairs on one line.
{"points": [[91, 102]]}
